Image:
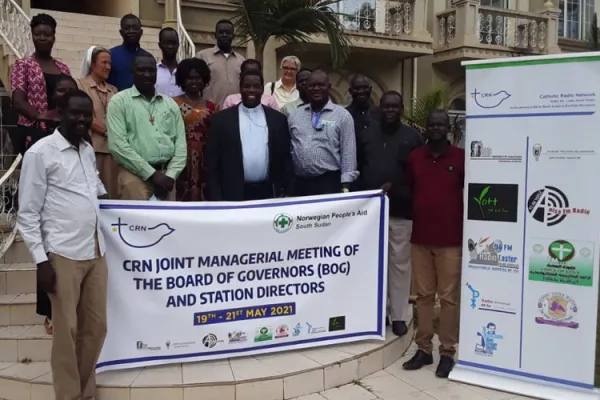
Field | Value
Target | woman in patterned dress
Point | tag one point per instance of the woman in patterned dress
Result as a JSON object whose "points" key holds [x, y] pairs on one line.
{"points": [[193, 75], [33, 81]]}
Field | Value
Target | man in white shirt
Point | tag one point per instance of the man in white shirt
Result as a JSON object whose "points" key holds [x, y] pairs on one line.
{"points": [[168, 41], [284, 89], [58, 220]]}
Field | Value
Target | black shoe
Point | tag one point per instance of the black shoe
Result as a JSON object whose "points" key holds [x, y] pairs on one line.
{"points": [[444, 367], [418, 361], [399, 328], [387, 321]]}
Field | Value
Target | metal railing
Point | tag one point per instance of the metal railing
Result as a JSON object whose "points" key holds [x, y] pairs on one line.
{"points": [[383, 17], [187, 48], [446, 28], [9, 183], [14, 28], [512, 29]]}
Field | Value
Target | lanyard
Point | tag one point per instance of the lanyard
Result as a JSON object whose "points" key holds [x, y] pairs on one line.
{"points": [[315, 118]]}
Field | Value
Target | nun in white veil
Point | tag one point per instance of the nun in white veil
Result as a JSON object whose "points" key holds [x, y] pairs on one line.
{"points": [[95, 69]]}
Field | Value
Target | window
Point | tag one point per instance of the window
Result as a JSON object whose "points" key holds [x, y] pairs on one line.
{"points": [[495, 3], [575, 18]]}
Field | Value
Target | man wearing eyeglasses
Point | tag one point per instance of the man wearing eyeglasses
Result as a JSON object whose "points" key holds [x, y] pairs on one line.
{"points": [[284, 89], [323, 142]]}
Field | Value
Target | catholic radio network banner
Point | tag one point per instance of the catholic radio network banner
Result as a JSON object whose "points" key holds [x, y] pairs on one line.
{"points": [[200, 281], [532, 226]]}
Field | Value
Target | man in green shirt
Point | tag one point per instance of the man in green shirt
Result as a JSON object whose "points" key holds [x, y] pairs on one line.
{"points": [[146, 136]]}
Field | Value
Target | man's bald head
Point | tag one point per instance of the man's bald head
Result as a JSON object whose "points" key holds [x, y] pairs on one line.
{"points": [[318, 87]]}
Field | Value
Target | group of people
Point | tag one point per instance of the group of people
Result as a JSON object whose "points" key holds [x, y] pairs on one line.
{"points": [[210, 129]]}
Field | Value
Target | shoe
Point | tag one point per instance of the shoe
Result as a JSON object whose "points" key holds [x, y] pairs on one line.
{"points": [[399, 328], [444, 367], [418, 361], [387, 321]]}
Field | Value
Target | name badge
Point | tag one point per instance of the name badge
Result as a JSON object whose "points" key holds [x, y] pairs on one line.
{"points": [[328, 123]]}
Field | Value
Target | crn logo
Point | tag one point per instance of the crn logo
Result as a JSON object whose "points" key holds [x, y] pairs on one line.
{"points": [[141, 236], [490, 99]]}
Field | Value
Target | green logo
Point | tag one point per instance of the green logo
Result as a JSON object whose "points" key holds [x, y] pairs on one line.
{"points": [[561, 250], [484, 201], [263, 334], [282, 223]]}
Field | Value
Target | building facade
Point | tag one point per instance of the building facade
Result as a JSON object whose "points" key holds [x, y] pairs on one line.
{"points": [[407, 45]]}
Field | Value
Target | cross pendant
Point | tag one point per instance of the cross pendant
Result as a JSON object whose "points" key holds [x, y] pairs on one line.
{"points": [[152, 120]]}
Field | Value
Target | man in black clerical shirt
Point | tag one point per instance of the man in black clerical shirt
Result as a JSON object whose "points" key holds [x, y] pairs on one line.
{"points": [[382, 150]]}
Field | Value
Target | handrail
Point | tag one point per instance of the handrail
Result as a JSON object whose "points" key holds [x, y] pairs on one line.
{"points": [[8, 209], [187, 48], [14, 28]]}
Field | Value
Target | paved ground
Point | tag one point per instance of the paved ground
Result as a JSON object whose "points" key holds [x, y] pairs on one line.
{"points": [[394, 383]]}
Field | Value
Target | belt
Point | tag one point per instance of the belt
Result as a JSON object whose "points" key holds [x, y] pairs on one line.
{"points": [[160, 167]]}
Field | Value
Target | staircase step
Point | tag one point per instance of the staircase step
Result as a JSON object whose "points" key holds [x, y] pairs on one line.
{"points": [[20, 343], [17, 278], [19, 309], [17, 253]]}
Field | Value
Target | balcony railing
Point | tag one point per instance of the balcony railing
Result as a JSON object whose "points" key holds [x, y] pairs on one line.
{"points": [[383, 17], [513, 30], [472, 25]]}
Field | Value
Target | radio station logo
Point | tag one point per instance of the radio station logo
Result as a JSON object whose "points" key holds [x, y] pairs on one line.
{"points": [[312, 330], [479, 152], [282, 332], [283, 223], [263, 334], [557, 309], [210, 340], [487, 253], [489, 100], [337, 323], [551, 206], [141, 236], [139, 345], [561, 261], [493, 202], [487, 340], [477, 302], [297, 329], [560, 154], [237, 337]]}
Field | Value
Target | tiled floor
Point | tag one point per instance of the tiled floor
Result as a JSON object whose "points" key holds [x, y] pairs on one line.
{"points": [[394, 383]]}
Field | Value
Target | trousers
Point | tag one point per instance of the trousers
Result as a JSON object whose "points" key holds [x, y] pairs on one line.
{"points": [[79, 320], [132, 187], [399, 268], [437, 270]]}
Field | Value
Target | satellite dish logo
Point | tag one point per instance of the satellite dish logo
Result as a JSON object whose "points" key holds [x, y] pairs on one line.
{"points": [[282, 223], [210, 340], [141, 236], [490, 99], [548, 205]]}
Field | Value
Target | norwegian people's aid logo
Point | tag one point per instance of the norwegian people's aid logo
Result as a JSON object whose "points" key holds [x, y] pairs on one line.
{"points": [[283, 223], [141, 236]]}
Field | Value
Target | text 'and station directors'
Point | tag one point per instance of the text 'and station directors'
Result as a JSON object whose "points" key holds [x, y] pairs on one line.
{"points": [[247, 271]]}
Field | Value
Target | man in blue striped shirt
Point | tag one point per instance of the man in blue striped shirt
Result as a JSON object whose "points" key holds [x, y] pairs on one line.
{"points": [[323, 142]]}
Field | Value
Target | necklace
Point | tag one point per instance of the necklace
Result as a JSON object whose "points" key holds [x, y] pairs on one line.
{"points": [[150, 110]]}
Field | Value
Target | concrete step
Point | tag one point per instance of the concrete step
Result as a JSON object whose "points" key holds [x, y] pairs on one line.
{"points": [[19, 309], [24, 343], [17, 278], [17, 253]]}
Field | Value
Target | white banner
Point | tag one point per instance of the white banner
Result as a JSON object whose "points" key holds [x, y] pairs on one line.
{"points": [[530, 267], [201, 281]]}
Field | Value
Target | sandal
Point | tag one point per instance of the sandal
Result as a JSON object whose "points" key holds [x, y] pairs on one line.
{"points": [[48, 326]]}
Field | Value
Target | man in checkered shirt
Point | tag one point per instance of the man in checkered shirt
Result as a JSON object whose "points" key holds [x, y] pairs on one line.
{"points": [[323, 142]]}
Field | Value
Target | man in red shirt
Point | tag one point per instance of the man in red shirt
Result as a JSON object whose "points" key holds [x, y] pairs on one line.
{"points": [[436, 176]]}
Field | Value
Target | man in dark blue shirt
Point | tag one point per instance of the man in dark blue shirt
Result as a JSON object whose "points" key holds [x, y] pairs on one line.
{"points": [[122, 56]]}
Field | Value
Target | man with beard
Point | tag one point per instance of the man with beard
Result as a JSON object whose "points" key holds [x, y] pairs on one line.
{"points": [[146, 136], [248, 149], [225, 64], [122, 56], [58, 220], [362, 109]]}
